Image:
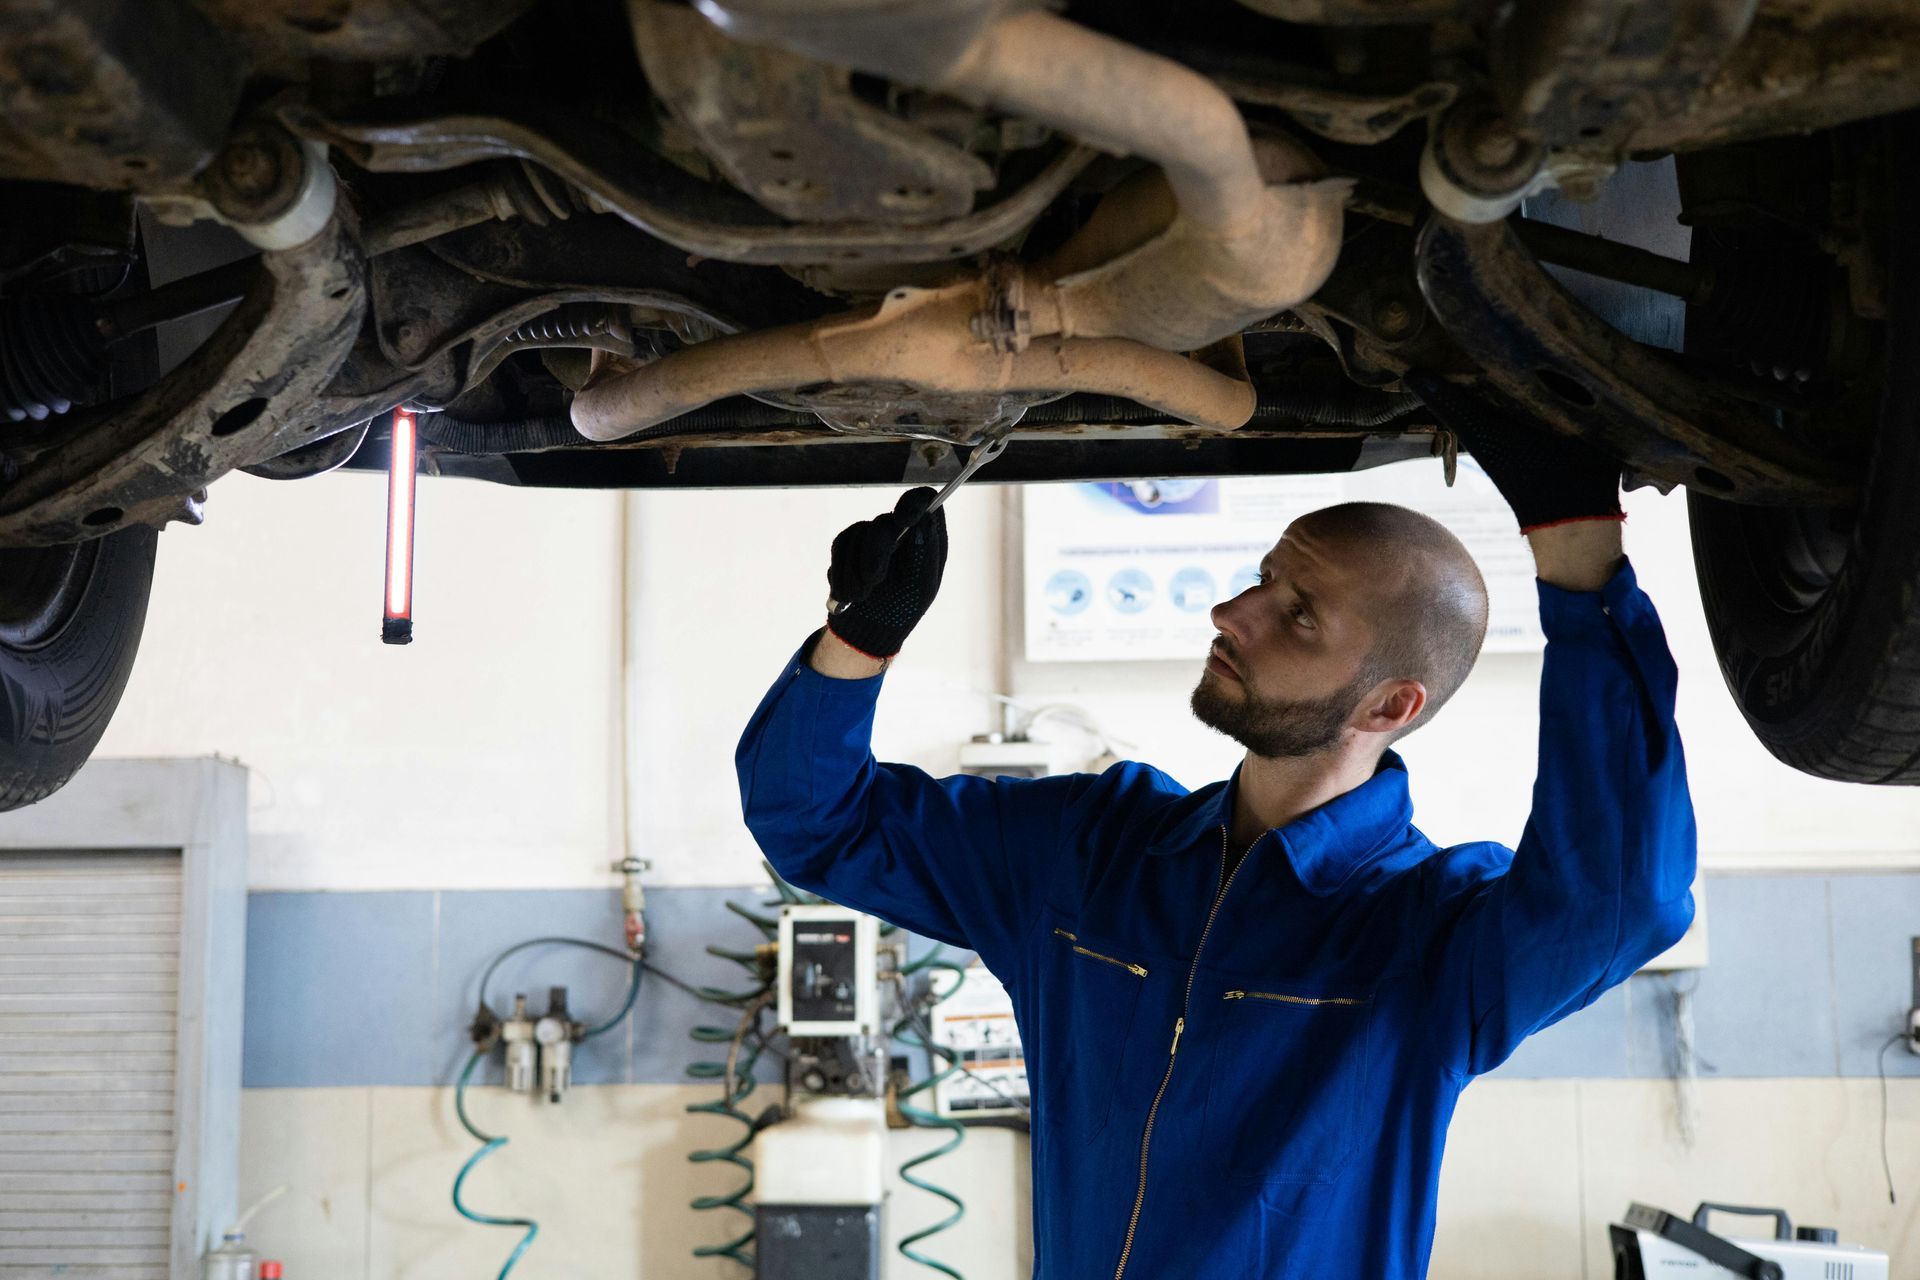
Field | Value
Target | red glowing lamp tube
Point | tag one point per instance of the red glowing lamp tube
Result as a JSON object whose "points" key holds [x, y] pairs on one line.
{"points": [[397, 626]]}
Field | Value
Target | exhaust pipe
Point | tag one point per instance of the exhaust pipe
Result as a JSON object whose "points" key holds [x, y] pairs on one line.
{"points": [[1224, 235]]}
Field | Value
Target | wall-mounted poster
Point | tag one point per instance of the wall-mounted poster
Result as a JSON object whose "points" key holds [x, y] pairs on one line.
{"points": [[1129, 570]]}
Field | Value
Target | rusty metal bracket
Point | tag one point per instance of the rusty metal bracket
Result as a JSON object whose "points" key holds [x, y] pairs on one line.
{"points": [[1357, 12], [328, 453], [1588, 73], [1581, 376], [1337, 113], [791, 133], [108, 95], [668, 203], [250, 393], [1800, 67]]}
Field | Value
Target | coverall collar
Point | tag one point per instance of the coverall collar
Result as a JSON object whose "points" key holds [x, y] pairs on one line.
{"points": [[1325, 846]]}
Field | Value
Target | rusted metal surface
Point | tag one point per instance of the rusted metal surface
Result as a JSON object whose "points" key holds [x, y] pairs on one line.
{"points": [[1581, 376], [1802, 65], [1358, 12], [918, 42], [789, 132], [1476, 167], [423, 310], [327, 454], [1342, 115], [112, 95], [664, 201], [1589, 73], [288, 32], [249, 393], [512, 189], [901, 409], [606, 253], [1249, 235], [917, 338], [257, 174], [1222, 235], [440, 319]]}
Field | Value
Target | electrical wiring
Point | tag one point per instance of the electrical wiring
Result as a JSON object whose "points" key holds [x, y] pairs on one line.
{"points": [[1886, 1162]]}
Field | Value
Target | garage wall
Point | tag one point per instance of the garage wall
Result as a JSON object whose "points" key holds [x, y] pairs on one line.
{"points": [[484, 754], [398, 794]]}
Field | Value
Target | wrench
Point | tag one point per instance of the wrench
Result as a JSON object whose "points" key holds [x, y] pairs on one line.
{"points": [[981, 454]]}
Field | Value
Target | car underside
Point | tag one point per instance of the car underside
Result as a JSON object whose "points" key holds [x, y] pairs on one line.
{"points": [[808, 242]]}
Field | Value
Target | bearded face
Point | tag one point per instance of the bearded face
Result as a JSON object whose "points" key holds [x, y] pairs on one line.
{"points": [[1267, 724]]}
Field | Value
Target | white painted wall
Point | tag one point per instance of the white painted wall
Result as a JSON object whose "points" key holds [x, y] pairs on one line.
{"points": [[480, 755], [484, 754]]}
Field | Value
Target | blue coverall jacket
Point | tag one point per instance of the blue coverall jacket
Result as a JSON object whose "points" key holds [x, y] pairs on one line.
{"points": [[1255, 1079]]}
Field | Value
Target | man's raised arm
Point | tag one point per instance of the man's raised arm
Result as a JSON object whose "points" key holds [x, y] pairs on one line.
{"points": [[1600, 880], [961, 859]]}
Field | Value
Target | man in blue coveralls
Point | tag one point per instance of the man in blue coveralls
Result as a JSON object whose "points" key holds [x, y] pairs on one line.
{"points": [[1248, 1010]]}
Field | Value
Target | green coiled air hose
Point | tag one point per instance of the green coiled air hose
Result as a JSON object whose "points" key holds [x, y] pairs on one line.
{"points": [[908, 1032]]}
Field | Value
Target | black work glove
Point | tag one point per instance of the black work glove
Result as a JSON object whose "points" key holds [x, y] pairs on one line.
{"points": [[885, 573], [1546, 476]]}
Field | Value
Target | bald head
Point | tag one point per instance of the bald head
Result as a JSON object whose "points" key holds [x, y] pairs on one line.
{"points": [[1428, 602]]}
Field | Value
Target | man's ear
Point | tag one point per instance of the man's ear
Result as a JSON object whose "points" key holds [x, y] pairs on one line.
{"points": [[1391, 706]]}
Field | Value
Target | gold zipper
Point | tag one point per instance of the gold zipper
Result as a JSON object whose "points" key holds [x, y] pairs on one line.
{"points": [[1180, 1025], [1138, 971], [1270, 995]]}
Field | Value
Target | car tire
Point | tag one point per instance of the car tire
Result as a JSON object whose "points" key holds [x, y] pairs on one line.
{"points": [[1815, 615], [70, 622]]}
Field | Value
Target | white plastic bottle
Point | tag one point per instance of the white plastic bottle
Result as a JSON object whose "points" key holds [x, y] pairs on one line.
{"points": [[233, 1260]]}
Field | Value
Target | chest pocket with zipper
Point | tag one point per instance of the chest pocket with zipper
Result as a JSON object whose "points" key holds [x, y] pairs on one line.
{"points": [[1287, 1094], [1089, 991]]}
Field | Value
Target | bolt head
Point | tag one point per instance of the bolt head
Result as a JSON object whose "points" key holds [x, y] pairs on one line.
{"points": [[1393, 317], [249, 168], [1493, 144], [257, 174]]}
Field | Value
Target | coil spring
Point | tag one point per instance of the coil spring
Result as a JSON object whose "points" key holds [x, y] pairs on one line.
{"points": [[539, 196], [51, 357], [575, 323]]}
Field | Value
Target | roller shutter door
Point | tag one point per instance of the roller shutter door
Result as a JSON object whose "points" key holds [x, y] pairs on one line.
{"points": [[89, 999]]}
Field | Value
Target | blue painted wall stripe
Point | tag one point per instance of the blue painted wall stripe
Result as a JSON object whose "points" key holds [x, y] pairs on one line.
{"points": [[1808, 978]]}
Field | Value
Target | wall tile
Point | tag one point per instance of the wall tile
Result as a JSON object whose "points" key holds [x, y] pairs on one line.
{"points": [[1510, 1183], [1876, 918], [1809, 1146], [1764, 1006], [339, 988], [681, 923], [1592, 1042], [478, 925], [313, 1142], [604, 1173], [990, 1171], [378, 988]]}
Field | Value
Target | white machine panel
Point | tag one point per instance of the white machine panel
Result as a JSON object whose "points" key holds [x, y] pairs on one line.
{"points": [[826, 978]]}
